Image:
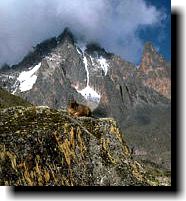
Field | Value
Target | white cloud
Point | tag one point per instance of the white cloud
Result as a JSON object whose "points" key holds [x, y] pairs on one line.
{"points": [[113, 24]]}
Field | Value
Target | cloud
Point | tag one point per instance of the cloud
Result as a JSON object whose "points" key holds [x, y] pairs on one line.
{"points": [[112, 23]]}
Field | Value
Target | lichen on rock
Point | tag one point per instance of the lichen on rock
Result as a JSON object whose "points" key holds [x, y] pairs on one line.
{"points": [[46, 147]]}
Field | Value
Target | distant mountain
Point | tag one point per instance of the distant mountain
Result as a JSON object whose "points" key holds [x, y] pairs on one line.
{"points": [[139, 98]]}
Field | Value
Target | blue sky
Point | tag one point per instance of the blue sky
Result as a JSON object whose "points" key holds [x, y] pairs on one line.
{"points": [[160, 36], [120, 26]]}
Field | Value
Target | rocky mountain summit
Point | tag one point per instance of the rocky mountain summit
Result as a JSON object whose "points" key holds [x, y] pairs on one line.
{"points": [[156, 71], [43, 146], [138, 98]]}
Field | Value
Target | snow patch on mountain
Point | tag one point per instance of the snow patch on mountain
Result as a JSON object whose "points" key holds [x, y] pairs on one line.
{"points": [[79, 50], [27, 79], [100, 61], [103, 63], [90, 94], [86, 68]]}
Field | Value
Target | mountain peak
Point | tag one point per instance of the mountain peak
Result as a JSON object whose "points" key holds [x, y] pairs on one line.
{"points": [[149, 47], [66, 35], [156, 71], [151, 58], [43, 49]]}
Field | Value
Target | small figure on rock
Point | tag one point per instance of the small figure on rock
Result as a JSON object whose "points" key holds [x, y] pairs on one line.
{"points": [[78, 110]]}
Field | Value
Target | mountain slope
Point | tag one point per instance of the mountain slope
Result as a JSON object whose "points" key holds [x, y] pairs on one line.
{"points": [[9, 100]]}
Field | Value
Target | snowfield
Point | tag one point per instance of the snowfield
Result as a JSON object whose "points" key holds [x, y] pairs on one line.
{"points": [[104, 65], [28, 78], [90, 94]]}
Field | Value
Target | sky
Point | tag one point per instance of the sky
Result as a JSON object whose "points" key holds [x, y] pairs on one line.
{"points": [[120, 26]]}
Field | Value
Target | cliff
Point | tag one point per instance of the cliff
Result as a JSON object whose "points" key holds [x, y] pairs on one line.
{"points": [[43, 146]]}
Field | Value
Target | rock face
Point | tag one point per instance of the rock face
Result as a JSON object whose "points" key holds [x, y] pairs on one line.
{"points": [[156, 71], [43, 146], [61, 68]]}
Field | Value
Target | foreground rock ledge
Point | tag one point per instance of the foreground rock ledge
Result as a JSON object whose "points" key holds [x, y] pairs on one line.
{"points": [[42, 146]]}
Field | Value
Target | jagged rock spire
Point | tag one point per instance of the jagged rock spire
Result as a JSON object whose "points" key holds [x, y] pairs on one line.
{"points": [[66, 35], [150, 58], [156, 71]]}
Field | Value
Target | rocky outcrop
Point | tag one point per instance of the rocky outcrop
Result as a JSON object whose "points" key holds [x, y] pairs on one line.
{"points": [[43, 146]]}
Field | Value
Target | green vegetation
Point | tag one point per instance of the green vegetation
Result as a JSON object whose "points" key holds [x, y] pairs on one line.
{"points": [[9, 100]]}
